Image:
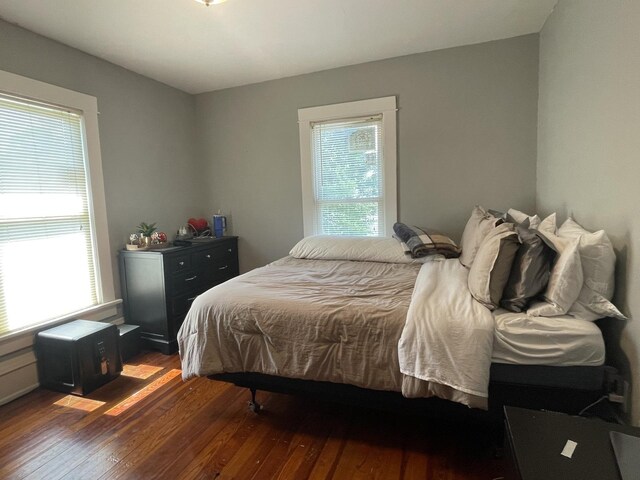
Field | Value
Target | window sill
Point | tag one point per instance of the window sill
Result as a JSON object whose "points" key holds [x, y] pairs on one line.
{"points": [[18, 340]]}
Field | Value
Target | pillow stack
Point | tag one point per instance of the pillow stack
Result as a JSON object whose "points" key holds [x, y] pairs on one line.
{"points": [[489, 246], [596, 259], [523, 263]]}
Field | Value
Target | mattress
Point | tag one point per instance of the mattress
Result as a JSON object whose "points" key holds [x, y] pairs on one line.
{"points": [[561, 341]]}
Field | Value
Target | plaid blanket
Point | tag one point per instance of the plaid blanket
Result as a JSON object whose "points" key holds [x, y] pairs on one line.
{"points": [[420, 242]]}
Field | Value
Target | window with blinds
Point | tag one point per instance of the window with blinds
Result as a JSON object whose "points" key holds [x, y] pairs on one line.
{"points": [[47, 261], [348, 167], [348, 171]]}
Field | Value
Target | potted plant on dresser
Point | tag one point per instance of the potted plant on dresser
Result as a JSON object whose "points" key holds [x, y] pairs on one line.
{"points": [[146, 230]]}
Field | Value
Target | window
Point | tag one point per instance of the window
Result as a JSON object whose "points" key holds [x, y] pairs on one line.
{"points": [[50, 266], [348, 163]]}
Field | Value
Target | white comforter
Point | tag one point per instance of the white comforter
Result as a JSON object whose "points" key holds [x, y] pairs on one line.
{"points": [[446, 345]]}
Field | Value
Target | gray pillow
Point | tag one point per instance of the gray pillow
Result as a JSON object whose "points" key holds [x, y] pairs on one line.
{"points": [[492, 266], [530, 270]]}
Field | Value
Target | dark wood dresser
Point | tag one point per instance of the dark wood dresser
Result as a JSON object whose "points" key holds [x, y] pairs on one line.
{"points": [[158, 286]]}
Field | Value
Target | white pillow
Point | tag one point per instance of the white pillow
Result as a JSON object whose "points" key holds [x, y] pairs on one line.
{"points": [[598, 257], [598, 266], [591, 306], [548, 224], [520, 217], [363, 249], [565, 281], [478, 226], [492, 265]]}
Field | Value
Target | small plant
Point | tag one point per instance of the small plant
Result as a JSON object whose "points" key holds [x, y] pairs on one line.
{"points": [[146, 229]]}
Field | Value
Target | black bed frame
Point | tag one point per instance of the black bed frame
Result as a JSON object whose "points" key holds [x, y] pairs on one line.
{"points": [[563, 389]]}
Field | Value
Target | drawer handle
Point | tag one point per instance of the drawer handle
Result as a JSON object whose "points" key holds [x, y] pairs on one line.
{"points": [[223, 268], [181, 263], [208, 256], [191, 278], [192, 299]]}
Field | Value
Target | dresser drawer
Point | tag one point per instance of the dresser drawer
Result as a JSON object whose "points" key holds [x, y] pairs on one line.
{"points": [[219, 272], [180, 305], [179, 263], [185, 282], [216, 254], [223, 268]]}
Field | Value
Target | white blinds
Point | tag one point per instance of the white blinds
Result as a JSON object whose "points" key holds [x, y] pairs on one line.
{"points": [[46, 246], [348, 176]]}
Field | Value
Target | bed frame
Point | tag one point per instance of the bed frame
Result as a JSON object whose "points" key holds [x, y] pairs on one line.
{"points": [[564, 389]]}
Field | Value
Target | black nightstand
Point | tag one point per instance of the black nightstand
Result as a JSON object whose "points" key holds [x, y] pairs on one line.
{"points": [[536, 439], [158, 286]]}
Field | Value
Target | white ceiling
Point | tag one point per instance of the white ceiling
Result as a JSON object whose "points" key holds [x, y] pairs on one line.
{"points": [[197, 48]]}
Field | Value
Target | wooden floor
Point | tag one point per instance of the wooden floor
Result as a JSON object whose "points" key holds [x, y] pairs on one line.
{"points": [[149, 424]]}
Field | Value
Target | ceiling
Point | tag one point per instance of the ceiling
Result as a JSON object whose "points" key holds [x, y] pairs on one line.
{"points": [[198, 49]]}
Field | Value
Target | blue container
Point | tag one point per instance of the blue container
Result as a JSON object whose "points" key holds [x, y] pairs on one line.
{"points": [[219, 225]]}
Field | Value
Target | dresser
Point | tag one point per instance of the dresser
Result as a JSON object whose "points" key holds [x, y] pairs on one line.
{"points": [[158, 286]]}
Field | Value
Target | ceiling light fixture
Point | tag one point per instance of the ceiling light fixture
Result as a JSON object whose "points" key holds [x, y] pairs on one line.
{"points": [[211, 2]]}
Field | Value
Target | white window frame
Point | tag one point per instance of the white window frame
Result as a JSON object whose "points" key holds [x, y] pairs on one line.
{"points": [[28, 88], [386, 106]]}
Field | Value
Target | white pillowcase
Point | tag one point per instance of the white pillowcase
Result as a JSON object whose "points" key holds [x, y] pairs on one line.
{"points": [[491, 267], [565, 281], [363, 249], [478, 226], [519, 217], [598, 265], [548, 224], [592, 306], [598, 257]]}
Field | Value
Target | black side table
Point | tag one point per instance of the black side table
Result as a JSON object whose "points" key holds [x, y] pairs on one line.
{"points": [[536, 440], [78, 357]]}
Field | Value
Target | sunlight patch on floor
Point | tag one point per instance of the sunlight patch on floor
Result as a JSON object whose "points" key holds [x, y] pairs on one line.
{"points": [[139, 371], [79, 403], [143, 393]]}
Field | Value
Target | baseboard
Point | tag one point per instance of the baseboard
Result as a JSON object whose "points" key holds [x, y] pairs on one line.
{"points": [[19, 393], [16, 362], [18, 379]]}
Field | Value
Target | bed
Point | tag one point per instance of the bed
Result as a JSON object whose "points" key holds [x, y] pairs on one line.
{"points": [[388, 330]]}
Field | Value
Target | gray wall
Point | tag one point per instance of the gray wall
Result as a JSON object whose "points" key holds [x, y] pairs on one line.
{"points": [[466, 135], [147, 132], [589, 143]]}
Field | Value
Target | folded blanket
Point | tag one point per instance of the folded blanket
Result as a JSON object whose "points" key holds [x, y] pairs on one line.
{"points": [[421, 242]]}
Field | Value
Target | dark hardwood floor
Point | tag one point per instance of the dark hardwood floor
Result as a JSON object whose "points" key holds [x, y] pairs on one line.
{"points": [[148, 423]]}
